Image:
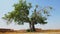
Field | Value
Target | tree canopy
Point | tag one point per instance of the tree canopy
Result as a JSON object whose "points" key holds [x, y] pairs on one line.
{"points": [[21, 12]]}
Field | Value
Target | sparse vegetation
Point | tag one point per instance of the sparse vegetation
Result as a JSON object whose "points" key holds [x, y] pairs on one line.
{"points": [[28, 30]]}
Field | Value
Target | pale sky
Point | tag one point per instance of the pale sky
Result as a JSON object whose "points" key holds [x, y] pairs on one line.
{"points": [[53, 21]]}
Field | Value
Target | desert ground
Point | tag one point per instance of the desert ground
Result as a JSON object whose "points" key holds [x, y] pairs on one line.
{"points": [[32, 33], [38, 31]]}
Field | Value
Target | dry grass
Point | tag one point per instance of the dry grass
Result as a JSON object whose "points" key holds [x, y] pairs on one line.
{"points": [[38, 31], [31, 33]]}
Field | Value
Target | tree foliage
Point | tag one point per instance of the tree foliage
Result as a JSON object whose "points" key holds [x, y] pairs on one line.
{"points": [[21, 12]]}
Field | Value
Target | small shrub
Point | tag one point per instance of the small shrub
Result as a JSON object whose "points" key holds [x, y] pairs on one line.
{"points": [[28, 30]]}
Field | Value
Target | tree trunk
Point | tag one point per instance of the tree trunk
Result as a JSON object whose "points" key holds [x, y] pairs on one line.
{"points": [[32, 27]]}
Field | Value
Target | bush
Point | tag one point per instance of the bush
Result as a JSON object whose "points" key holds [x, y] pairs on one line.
{"points": [[28, 30]]}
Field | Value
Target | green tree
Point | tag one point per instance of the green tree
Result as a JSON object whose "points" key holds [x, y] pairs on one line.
{"points": [[20, 14]]}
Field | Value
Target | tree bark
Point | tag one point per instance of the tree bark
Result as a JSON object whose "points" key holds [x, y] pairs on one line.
{"points": [[32, 27]]}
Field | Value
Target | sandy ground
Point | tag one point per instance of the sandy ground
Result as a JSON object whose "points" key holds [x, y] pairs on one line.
{"points": [[32, 33]]}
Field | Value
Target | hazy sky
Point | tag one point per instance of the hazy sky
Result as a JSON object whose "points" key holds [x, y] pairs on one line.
{"points": [[53, 20]]}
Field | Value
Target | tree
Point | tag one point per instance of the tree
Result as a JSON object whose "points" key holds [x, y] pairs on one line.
{"points": [[20, 14]]}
